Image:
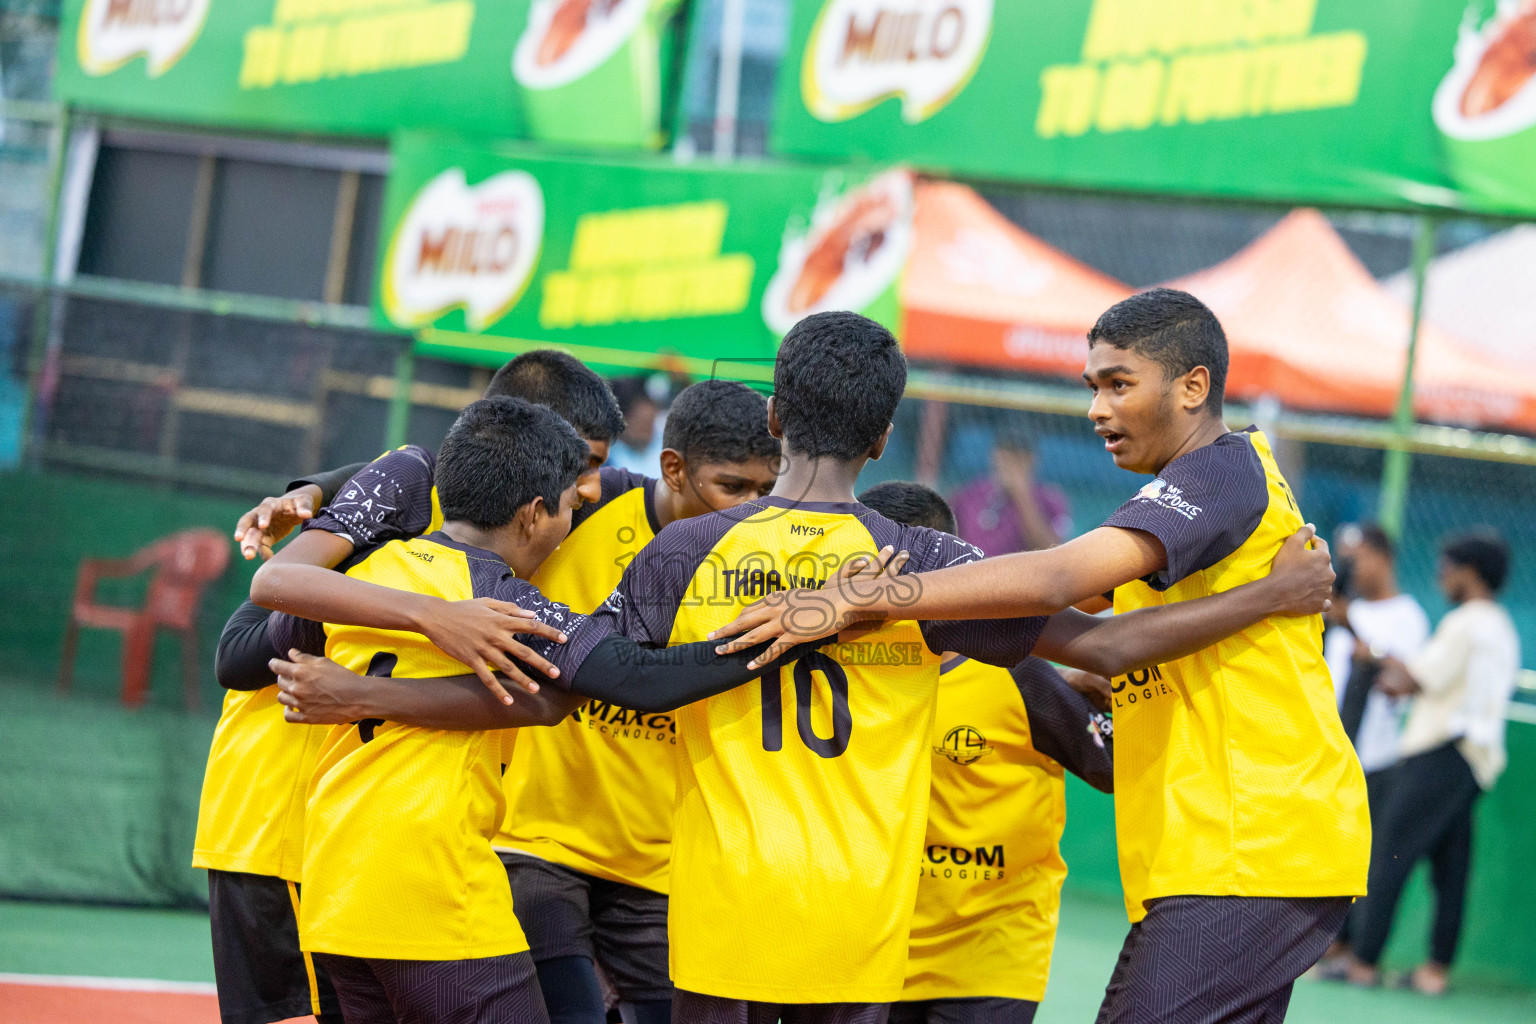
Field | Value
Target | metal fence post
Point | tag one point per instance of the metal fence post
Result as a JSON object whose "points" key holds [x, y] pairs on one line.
{"points": [[1394, 472], [42, 313], [400, 402]]}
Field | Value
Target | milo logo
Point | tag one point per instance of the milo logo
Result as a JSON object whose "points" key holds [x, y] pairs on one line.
{"points": [[114, 32], [861, 52], [462, 246]]}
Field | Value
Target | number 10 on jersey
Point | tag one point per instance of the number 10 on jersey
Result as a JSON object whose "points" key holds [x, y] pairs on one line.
{"points": [[773, 706]]}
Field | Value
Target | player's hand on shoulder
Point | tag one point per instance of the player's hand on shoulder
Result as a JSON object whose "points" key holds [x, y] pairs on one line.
{"points": [[318, 691], [791, 617], [263, 527], [482, 633], [1301, 577]]}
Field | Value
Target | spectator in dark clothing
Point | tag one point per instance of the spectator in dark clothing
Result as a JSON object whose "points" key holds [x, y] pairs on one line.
{"points": [[1010, 510]]}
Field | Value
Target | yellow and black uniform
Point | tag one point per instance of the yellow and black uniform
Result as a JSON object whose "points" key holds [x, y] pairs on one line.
{"points": [[587, 839], [397, 855], [398, 866], [794, 838], [593, 795], [991, 871], [1233, 776], [250, 838], [595, 792]]}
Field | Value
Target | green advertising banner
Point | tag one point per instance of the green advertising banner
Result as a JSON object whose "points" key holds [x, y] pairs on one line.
{"points": [[1393, 102], [485, 249], [559, 70]]}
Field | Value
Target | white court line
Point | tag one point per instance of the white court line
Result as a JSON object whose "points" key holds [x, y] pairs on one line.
{"points": [[197, 988]]}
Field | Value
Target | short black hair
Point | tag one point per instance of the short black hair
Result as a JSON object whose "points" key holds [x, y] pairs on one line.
{"points": [[545, 376], [1375, 538], [836, 384], [910, 504], [719, 421], [1173, 329], [499, 455], [1484, 552]]}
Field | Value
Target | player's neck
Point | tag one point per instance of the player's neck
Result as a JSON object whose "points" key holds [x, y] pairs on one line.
{"points": [[500, 542], [1205, 430], [824, 479]]}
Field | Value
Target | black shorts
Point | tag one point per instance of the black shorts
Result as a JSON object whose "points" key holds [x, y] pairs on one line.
{"points": [[976, 1010], [492, 988], [693, 1008], [1218, 958], [565, 912], [261, 973]]}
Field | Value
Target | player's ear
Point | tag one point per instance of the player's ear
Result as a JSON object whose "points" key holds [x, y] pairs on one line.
{"points": [[878, 448], [775, 428], [528, 516], [1194, 389], [674, 469]]}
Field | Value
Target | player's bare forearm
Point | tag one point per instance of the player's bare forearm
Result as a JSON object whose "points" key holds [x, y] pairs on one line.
{"points": [[321, 692], [324, 595], [1011, 586], [1030, 582], [1299, 584]]}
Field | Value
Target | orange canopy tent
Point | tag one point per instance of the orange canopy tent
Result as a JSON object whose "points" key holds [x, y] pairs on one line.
{"points": [[1308, 323], [980, 290]]}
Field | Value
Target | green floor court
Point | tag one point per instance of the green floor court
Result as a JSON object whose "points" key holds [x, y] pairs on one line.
{"points": [[54, 939]]}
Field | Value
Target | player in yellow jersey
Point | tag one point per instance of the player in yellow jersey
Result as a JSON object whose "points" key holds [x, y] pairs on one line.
{"points": [[250, 824], [990, 873], [587, 840], [1240, 807], [794, 836], [406, 903], [588, 835]]}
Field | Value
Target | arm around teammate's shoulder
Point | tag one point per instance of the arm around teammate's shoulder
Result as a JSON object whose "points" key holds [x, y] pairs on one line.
{"points": [[1299, 583]]}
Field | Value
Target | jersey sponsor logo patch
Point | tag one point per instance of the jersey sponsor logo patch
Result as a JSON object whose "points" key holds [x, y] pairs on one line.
{"points": [[1161, 492], [462, 246], [965, 863], [862, 52], [113, 32], [1134, 688], [424, 556], [963, 745], [798, 530]]}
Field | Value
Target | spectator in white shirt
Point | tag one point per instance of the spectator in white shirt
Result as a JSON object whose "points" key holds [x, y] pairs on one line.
{"points": [[1453, 749], [1379, 620], [1371, 618]]}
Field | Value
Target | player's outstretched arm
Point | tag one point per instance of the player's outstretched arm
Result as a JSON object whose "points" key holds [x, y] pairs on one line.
{"points": [[665, 679], [318, 691], [263, 527], [1011, 586], [1299, 583], [481, 633]]}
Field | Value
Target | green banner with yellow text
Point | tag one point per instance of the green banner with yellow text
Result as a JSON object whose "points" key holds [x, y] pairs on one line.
{"points": [[557, 70], [486, 248], [1387, 102]]}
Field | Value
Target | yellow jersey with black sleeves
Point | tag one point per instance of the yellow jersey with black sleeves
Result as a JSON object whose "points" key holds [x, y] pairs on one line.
{"points": [[1233, 776], [398, 861], [990, 875], [797, 830], [595, 792], [251, 814]]}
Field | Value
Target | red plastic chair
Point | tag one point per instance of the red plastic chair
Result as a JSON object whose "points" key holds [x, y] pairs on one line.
{"points": [[184, 563]]}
